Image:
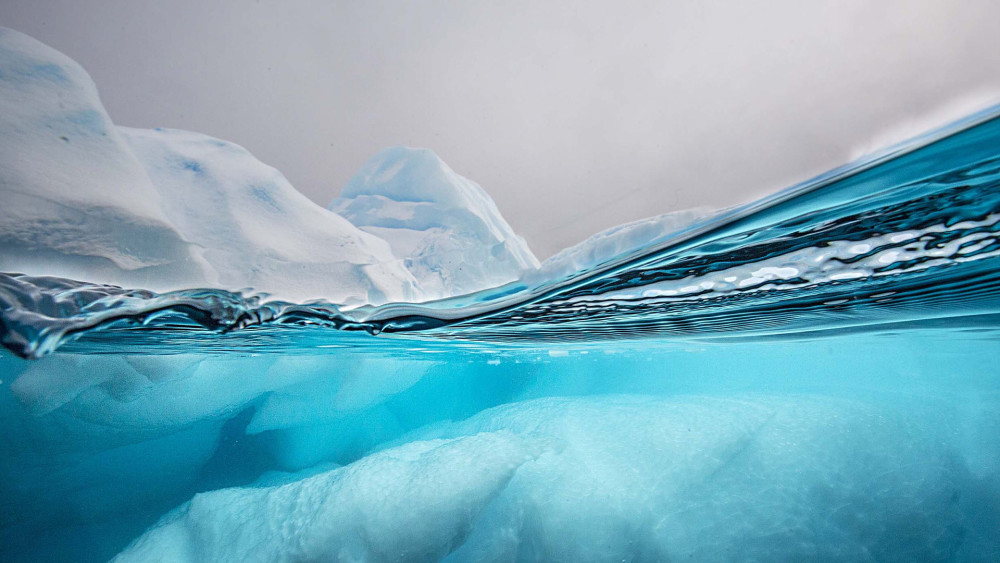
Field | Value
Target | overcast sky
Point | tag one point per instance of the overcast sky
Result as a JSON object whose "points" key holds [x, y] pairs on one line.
{"points": [[574, 115]]}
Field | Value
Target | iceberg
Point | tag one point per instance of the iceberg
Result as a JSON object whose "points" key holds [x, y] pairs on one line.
{"points": [[76, 201], [165, 209], [445, 227], [255, 230]]}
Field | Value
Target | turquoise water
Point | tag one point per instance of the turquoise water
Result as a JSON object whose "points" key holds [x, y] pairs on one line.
{"points": [[810, 377]]}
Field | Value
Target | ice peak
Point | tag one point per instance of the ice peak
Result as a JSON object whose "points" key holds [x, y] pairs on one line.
{"points": [[411, 174], [443, 225]]}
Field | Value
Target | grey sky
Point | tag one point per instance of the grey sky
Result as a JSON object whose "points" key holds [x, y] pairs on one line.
{"points": [[574, 115]]}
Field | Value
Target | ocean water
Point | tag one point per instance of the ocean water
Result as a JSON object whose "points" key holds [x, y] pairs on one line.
{"points": [[811, 377]]}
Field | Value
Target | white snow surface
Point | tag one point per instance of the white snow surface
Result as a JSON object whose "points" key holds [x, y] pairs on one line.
{"points": [[75, 200], [446, 227]]}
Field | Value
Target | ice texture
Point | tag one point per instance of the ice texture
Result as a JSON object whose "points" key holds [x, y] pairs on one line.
{"points": [[256, 230], [75, 200], [446, 227], [570, 479], [166, 209], [416, 502]]}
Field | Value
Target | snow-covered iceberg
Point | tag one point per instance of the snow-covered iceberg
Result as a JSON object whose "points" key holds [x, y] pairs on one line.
{"points": [[165, 209], [446, 227]]}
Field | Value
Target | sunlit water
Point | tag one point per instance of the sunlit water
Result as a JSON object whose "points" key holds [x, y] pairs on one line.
{"points": [[812, 377]]}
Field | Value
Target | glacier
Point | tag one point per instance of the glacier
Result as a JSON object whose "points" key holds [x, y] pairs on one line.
{"points": [[396, 377]]}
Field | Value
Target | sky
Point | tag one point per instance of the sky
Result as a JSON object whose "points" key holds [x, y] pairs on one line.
{"points": [[574, 115]]}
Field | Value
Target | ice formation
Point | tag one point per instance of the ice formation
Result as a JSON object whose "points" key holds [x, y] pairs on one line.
{"points": [[446, 227], [75, 200], [362, 512], [571, 480], [358, 457], [165, 209], [255, 230]]}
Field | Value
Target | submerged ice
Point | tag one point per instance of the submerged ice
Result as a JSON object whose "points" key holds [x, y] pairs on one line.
{"points": [[778, 452], [571, 480]]}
